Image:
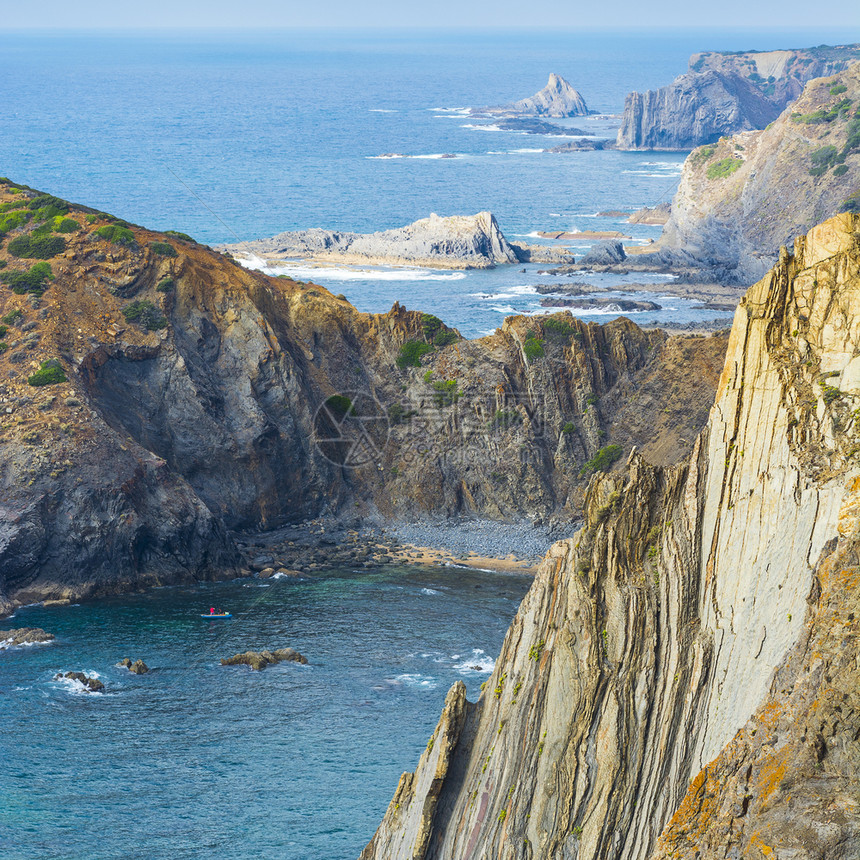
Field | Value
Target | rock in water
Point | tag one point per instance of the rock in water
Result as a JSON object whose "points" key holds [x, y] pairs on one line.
{"points": [[557, 99], [91, 685], [258, 660], [138, 666], [604, 254], [24, 636], [453, 242]]}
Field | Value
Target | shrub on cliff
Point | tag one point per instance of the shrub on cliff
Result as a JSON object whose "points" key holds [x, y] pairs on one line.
{"points": [[145, 314], [163, 249], [177, 235], [12, 317], [37, 247], [602, 460], [117, 234], [851, 204], [34, 280], [445, 337], [13, 220], [723, 168], [49, 373], [533, 348], [165, 285], [411, 353], [65, 225], [445, 392], [559, 330], [430, 325]]}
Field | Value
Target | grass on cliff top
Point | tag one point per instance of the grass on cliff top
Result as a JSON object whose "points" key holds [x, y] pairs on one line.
{"points": [[723, 168], [839, 110], [163, 249], [49, 373], [117, 234], [34, 280]]}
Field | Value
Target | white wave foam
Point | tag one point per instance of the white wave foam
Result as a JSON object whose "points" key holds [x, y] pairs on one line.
{"points": [[381, 110], [388, 156], [409, 679], [5, 644], [428, 591], [478, 662], [503, 309], [555, 215], [75, 687], [337, 273], [645, 173], [489, 127], [461, 110], [524, 150]]}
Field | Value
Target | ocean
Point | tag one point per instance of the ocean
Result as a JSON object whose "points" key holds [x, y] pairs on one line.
{"points": [[241, 136], [231, 137]]}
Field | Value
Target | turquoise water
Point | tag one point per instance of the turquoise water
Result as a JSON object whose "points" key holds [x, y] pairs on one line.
{"points": [[201, 760], [233, 137]]}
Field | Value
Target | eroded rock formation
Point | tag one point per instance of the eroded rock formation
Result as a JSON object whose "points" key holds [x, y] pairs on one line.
{"points": [[557, 99], [694, 597], [231, 404], [725, 93], [741, 199]]}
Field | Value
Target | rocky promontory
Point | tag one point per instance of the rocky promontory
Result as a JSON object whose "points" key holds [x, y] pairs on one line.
{"points": [[744, 197], [681, 679], [725, 93], [24, 636], [453, 242], [557, 99]]}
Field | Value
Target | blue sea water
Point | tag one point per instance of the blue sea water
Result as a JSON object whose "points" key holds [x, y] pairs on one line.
{"points": [[241, 136], [237, 137], [199, 760]]}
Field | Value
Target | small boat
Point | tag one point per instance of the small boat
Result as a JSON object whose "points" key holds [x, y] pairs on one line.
{"points": [[217, 615]]}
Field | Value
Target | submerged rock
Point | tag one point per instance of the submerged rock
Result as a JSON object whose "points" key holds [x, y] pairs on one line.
{"points": [[24, 636], [91, 685], [258, 660]]}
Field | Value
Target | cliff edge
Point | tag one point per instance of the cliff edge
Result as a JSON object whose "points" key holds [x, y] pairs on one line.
{"points": [[699, 601]]}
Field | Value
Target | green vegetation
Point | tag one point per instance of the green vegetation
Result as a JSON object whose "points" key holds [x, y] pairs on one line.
{"points": [[840, 170], [34, 280], [703, 154], [177, 235], [851, 204], [162, 248], [397, 414], [838, 89], [13, 220], [3, 346], [602, 460], [558, 329], [12, 317], [37, 247], [831, 393], [165, 285], [49, 373], [536, 650], [145, 314], [824, 158], [430, 325], [411, 353], [533, 349], [503, 815], [822, 115], [723, 168], [117, 234], [340, 405], [3, 330], [445, 337], [445, 392], [568, 427], [65, 225]]}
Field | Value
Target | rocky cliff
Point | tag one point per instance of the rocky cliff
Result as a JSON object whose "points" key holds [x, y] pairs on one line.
{"points": [[454, 242], [742, 198], [155, 395], [724, 93], [689, 659], [557, 99]]}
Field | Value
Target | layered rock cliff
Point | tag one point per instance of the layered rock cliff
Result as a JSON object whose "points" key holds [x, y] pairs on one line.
{"points": [[155, 395], [724, 93], [742, 198], [453, 242], [705, 610], [557, 99]]}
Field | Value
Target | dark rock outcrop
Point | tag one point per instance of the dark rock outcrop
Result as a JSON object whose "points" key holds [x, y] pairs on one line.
{"points": [[90, 684], [618, 305], [725, 93], [258, 660], [24, 636], [138, 667]]}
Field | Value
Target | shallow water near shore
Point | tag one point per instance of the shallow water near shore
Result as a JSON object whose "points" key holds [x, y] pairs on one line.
{"points": [[199, 760]]}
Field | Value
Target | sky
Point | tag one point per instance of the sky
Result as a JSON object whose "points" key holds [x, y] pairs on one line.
{"points": [[440, 14]]}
